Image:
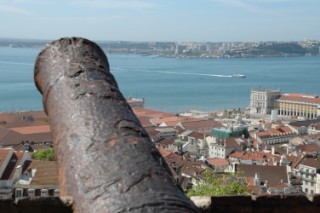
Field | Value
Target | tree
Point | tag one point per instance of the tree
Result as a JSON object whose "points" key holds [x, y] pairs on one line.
{"points": [[44, 154], [218, 184]]}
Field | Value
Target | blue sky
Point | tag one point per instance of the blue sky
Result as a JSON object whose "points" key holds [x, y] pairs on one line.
{"points": [[162, 20]]}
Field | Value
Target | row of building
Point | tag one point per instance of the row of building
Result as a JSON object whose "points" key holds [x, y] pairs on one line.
{"points": [[21, 134], [266, 101], [272, 157]]}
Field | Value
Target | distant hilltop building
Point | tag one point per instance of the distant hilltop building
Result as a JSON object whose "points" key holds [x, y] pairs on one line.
{"points": [[299, 105], [262, 101]]}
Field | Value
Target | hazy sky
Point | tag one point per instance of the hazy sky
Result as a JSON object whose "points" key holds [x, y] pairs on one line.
{"points": [[162, 20]]}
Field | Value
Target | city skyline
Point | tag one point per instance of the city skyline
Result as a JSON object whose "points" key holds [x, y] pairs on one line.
{"points": [[142, 20]]}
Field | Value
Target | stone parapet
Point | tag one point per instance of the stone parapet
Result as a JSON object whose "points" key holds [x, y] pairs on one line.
{"points": [[266, 203], [206, 204]]}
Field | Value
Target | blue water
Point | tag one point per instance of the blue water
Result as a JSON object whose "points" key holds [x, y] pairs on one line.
{"points": [[171, 84]]}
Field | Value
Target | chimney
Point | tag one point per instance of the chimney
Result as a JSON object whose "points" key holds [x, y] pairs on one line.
{"points": [[256, 179]]}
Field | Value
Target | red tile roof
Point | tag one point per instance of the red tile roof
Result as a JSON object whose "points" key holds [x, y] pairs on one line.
{"points": [[271, 132], [300, 98], [23, 118], [218, 161], [164, 152], [311, 161], [231, 142], [200, 125], [9, 171], [152, 131], [309, 148], [145, 121], [272, 174], [197, 135], [32, 129], [46, 173], [164, 142], [4, 152], [259, 156], [168, 120], [3, 131], [139, 111]]}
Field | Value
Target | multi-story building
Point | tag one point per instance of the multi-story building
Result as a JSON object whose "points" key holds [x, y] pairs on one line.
{"points": [[274, 134], [221, 148], [262, 101], [193, 142], [158, 133], [309, 169], [11, 166], [299, 105]]}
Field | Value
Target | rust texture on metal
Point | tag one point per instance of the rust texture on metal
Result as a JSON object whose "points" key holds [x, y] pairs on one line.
{"points": [[106, 160]]}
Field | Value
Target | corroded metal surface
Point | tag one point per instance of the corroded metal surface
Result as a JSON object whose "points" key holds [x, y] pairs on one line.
{"points": [[106, 160]]}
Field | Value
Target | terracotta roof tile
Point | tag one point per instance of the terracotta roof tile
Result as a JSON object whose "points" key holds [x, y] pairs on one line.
{"points": [[4, 152], [46, 172], [231, 142], [11, 166], [145, 121], [164, 142], [300, 98], [23, 118], [139, 111], [197, 135], [3, 132], [270, 173], [164, 152], [218, 161], [309, 148], [311, 161], [32, 129], [200, 125]]}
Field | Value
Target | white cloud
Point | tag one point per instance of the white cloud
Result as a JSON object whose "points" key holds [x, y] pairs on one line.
{"points": [[14, 10], [259, 6], [235, 3], [117, 4]]}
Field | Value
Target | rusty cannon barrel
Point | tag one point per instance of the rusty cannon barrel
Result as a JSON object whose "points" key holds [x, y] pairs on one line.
{"points": [[106, 161]]}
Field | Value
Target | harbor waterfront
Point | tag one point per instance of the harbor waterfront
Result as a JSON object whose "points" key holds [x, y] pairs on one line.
{"points": [[171, 84]]}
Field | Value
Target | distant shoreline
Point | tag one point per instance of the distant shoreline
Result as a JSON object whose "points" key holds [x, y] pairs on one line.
{"points": [[210, 50]]}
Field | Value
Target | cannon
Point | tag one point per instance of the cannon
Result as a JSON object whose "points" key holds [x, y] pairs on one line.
{"points": [[106, 160]]}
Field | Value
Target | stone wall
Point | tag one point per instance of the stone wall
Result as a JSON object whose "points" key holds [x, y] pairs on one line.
{"points": [[266, 203], [224, 204]]}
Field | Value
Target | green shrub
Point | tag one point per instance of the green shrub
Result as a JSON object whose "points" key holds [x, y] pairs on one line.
{"points": [[215, 184], [44, 154]]}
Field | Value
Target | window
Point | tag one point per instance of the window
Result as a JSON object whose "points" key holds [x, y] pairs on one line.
{"points": [[18, 193], [44, 192], [31, 192], [56, 193]]}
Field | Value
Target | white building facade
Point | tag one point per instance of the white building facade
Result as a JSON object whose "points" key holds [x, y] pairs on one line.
{"points": [[262, 101]]}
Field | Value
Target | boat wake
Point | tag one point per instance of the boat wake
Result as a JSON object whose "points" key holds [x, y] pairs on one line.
{"points": [[15, 63], [178, 73]]}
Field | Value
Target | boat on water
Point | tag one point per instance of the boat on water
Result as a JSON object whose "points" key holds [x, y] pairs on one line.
{"points": [[238, 76]]}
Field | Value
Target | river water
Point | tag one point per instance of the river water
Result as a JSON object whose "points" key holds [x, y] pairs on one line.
{"points": [[171, 84]]}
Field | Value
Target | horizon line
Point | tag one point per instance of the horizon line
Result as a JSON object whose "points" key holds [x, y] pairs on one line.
{"points": [[99, 40]]}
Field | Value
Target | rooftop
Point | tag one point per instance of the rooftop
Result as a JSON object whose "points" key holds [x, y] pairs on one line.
{"points": [[300, 98]]}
